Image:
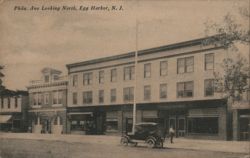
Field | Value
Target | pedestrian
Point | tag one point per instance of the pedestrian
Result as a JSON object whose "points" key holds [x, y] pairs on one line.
{"points": [[171, 133]]}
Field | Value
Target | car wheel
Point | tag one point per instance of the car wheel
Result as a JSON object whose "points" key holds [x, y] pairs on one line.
{"points": [[150, 143], [124, 141]]}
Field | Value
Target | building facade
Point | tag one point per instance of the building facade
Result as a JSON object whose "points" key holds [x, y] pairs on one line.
{"points": [[47, 102], [172, 85], [13, 111]]}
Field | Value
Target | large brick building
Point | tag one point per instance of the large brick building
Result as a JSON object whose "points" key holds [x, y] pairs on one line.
{"points": [[174, 86], [47, 102]]}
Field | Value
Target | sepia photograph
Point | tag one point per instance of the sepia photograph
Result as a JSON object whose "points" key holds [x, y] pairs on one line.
{"points": [[124, 79]]}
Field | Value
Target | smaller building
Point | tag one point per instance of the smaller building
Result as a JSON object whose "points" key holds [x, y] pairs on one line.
{"points": [[47, 100], [13, 111]]}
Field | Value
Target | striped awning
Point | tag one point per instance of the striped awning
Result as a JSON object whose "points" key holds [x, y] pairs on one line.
{"points": [[5, 118]]}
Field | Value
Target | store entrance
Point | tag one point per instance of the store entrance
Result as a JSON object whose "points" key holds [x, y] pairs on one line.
{"points": [[178, 123]]}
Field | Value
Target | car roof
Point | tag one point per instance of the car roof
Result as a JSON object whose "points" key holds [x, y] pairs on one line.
{"points": [[146, 123]]}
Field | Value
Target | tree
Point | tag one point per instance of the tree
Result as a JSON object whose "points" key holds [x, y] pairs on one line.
{"points": [[236, 77]]}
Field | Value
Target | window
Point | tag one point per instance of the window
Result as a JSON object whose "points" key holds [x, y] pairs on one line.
{"points": [[113, 75], [87, 78], [129, 73], [39, 98], [16, 103], [147, 70], [209, 61], [101, 96], [128, 94], [87, 97], [113, 95], [8, 103], [2, 106], [203, 125], [101, 76], [147, 92], [46, 98], [34, 99], [57, 97], [185, 89], [75, 80], [185, 65], [46, 78], [163, 68], [163, 91], [209, 87], [74, 96]]}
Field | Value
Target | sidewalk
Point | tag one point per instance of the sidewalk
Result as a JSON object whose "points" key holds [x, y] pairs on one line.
{"points": [[181, 143]]}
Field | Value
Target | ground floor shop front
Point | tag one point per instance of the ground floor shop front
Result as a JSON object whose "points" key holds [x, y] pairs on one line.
{"points": [[13, 122], [206, 119], [48, 121]]}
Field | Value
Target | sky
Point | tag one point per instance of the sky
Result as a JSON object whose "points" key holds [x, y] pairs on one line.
{"points": [[31, 40]]}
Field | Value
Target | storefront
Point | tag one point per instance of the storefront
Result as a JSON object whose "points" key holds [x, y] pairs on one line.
{"points": [[81, 122], [12, 123]]}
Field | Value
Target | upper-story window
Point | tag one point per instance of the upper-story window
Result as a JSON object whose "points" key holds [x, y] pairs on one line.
{"points": [[163, 91], [147, 92], [185, 65], [129, 73], [46, 78], [16, 102], [163, 68], [209, 87], [57, 97], [55, 77], [113, 95], [101, 96], [87, 78], [74, 97], [128, 94], [209, 61], [39, 98], [8, 103], [101, 76], [2, 106], [46, 98], [74, 80], [147, 70], [185, 89], [87, 97], [113, 75]]}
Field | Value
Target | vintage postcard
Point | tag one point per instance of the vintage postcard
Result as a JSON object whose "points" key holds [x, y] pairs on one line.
{"points": [[118, 79]]}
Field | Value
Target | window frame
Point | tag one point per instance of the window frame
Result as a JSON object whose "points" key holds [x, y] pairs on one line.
{"points": [[129, 73], [89, 97], [147, 93], [185, 91], [113, 75], [163, 69], [147, 70], [206, 89], [101, 96], [113, 95], [185, 65], [101, 77], [130, 95], [87, 78], [161, 86], [208, 62]]}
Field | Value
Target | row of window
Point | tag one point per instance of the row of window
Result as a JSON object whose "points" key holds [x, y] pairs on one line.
{"points": [[8, 103], [184, 89], [184, 65], [44, 98]]}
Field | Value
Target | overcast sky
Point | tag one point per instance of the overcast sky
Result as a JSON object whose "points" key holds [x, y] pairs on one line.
{"points": [[32, 40]]}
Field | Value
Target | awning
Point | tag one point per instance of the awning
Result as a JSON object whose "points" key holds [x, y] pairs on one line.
{"points": [[80, 113], [208, 112], [5, 118]]}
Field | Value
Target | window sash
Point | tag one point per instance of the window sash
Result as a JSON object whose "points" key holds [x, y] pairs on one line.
{"points": [[75, 80], [101, 76], [87, 78], [87, 97], [74, 96], [113, 95], [113, 75], [163, 68], [209, 61], [147, 92], [147, 70], [163, 91], [101, 96], [185, 89], [209, 87]]}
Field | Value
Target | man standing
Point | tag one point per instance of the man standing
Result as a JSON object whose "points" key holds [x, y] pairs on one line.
{"points": [[171, 132]]}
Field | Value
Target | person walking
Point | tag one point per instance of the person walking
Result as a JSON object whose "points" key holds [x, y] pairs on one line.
{"points": [[171, 132]]}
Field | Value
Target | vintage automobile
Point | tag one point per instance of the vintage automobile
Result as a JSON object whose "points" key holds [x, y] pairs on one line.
{"points": [[148, 132]]}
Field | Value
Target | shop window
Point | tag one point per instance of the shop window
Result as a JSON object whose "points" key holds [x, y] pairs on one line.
{"points": [[129, 73], [209, 61], [87, 78], [87, 97], [147, 70], [101, 76], [163, 68], [203, 125], [209, 87], [185, 65], [185, 89], [128, 94], [113, 75], [111, 124]]}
